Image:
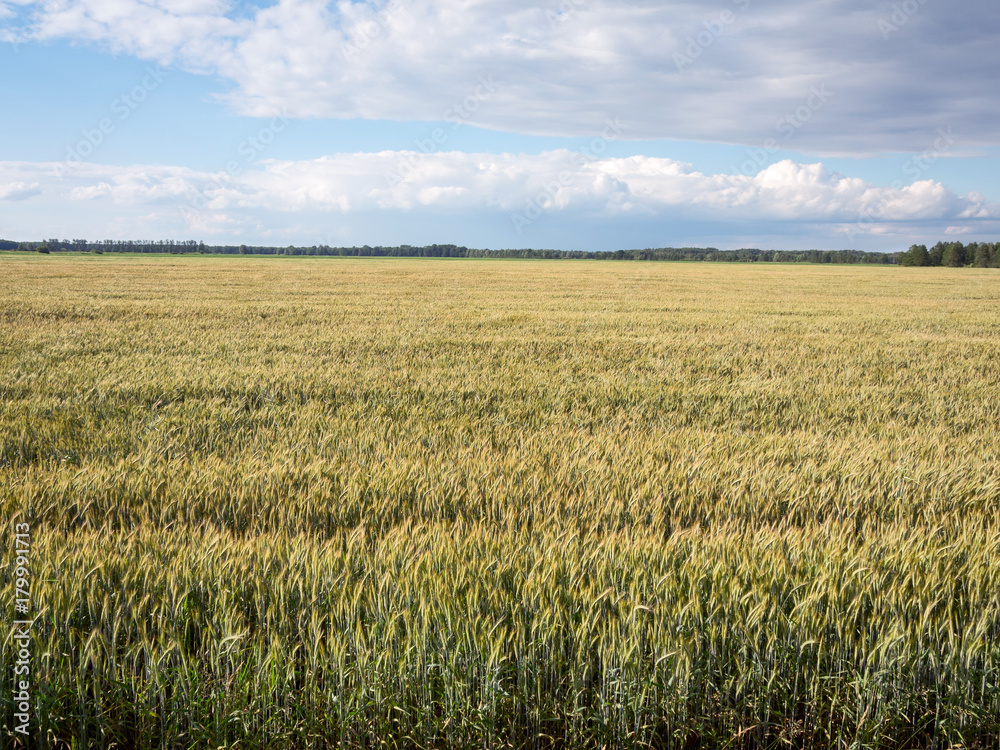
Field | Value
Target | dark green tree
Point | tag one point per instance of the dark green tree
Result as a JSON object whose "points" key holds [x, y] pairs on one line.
{"points": [[981, 257], [917, 255], [937, 254], [953, 255]]}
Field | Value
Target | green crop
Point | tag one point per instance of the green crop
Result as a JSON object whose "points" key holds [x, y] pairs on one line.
{"points": [[296, 503]]}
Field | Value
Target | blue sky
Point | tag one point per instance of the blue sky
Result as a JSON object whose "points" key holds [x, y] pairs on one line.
{"points": [[575, 124]]}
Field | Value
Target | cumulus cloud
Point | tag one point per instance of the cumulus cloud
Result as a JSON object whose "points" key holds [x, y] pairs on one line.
{"points": [[734, 71], [562, 182], [18, 191]]}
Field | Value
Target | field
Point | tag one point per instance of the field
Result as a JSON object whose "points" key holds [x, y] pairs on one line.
{"points": [[294, 503]]}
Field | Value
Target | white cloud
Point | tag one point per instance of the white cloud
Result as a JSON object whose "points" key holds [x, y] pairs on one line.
{"points": [[18, 191], [558, 183], [190, 32], [563, 72]]}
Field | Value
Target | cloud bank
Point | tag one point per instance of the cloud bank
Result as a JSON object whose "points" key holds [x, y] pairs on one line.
{"points": [[517, 190], [731, 71]]}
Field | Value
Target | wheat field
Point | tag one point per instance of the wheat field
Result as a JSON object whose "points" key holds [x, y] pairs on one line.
{"points": [[298, 503]]}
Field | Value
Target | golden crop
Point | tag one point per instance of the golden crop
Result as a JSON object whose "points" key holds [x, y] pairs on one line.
{"points": [[453, 504]]}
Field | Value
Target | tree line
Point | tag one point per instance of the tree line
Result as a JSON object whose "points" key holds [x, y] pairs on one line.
{"points": [[953, 254]]}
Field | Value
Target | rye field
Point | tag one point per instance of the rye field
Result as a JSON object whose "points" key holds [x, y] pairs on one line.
{"points": [[363, 503]]}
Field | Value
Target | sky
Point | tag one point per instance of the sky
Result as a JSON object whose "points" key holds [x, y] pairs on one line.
{"points": [[568, 124]]}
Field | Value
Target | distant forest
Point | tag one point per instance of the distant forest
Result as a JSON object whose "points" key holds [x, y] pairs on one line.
{"points": [[954, 254]]}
